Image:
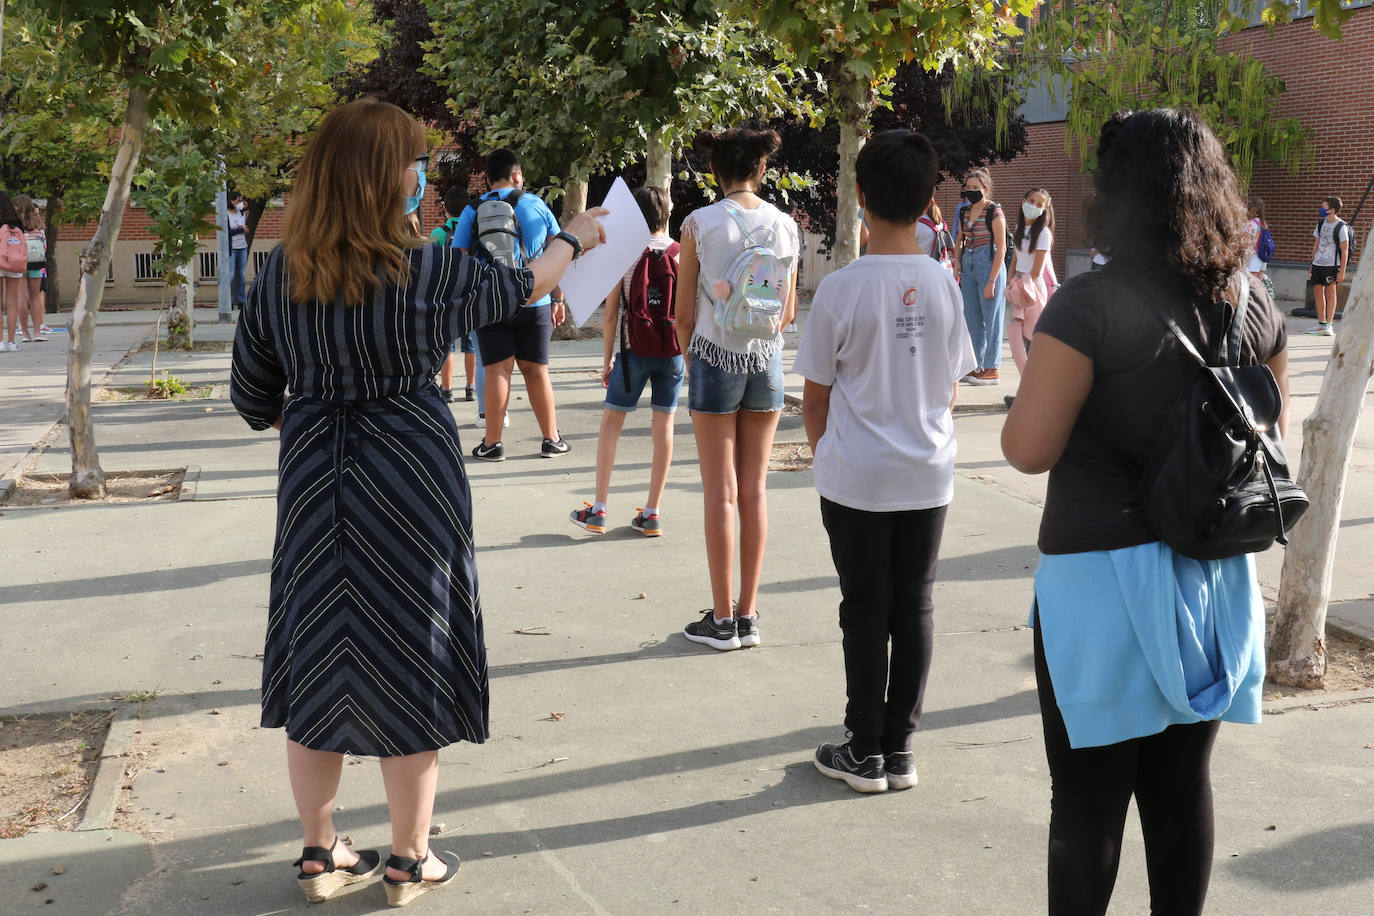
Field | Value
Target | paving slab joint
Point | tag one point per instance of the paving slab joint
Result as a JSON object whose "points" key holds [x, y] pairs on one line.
{"points": [[109, 775], [189, 482]]}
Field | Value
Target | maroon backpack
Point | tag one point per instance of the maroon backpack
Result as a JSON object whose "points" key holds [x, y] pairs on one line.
{"points": [[649, 327]]}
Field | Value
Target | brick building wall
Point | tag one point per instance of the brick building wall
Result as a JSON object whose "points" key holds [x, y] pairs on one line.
{"points": [[1327, 88]]}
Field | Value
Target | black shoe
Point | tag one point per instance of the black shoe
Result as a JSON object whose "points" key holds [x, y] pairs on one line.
{"points": [[866, 775], [1008, 399], [448, 395], [399, 893], [901, 769], [552, 449], [467, 394], [320, 886], [710, 632], [748, 629], [496, 452]]}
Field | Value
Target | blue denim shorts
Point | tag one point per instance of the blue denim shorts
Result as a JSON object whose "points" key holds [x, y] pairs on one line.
{"points": [[662, 373], [713, 390]]}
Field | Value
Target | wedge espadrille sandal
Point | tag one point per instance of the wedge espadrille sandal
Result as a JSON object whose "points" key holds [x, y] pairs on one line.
{"points": [[399, 893], [320, 886]]}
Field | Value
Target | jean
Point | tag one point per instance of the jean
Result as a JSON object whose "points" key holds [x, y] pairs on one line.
{"points": [[631, 372], [238, 258], [885, 562], [985, 318], [714, 390]]}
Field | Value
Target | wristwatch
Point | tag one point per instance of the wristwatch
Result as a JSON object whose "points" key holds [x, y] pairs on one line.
{"points": [[573, 241]]}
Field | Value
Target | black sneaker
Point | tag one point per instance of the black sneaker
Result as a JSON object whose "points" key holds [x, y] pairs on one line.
{"points": [[837, 761], [901, 769], [552, 449], [467, 393], [1009, 399], [707, 631], [496, 452], [748, 629], [448, 395]]}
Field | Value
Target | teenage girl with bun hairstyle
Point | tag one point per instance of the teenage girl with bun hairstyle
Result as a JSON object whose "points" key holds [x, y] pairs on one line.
{"points": [[734, 381]]}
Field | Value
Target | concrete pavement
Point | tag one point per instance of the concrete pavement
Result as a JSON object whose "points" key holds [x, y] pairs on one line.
{"points": [[673, 778]]}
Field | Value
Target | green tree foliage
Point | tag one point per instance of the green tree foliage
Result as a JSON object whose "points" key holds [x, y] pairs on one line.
{"points": [[577, 88], [857, 45], [1106, 56], [169, 58]]}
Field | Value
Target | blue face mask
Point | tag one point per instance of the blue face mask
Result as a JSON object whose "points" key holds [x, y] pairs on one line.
{"points": [[413, 203], [1322, 212]]}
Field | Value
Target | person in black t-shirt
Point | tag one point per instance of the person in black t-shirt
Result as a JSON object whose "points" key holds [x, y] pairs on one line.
{"points": [[1110, 596]]}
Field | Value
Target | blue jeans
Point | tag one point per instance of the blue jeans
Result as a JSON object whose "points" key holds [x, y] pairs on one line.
{"points": [[238, 258], [986, 318], [631, 372]]}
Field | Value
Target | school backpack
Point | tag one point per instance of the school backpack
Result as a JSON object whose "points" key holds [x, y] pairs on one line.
{"points": [[496, 230], [749, 298], [944, 242], [1011, 235], [1264, 246], [14, 250], [649, 327], [449, 226], [1336, 240], [1217, 484]]}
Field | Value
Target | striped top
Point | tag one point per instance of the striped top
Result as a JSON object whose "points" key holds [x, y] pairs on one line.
{"points": [[976, 235], [392, 344]]}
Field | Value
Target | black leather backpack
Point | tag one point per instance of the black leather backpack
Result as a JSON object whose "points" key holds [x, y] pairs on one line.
{"points": [[1217, 484]]}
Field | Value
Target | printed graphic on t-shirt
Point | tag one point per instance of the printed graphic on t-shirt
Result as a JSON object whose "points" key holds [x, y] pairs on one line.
{"points": [[911, 323]]}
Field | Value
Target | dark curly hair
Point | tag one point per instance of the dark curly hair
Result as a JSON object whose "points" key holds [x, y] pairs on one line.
{"points": [[1165, 198], [737, 153]]}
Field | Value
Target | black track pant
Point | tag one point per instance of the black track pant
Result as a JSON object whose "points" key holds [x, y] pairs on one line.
{"points": [[1169, 775], [886, 565]]}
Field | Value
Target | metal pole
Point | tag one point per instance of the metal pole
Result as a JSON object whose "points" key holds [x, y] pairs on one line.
{"points": [[224, 268]]}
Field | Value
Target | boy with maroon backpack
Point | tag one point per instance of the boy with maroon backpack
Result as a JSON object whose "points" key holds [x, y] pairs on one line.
{"points": [[647, 337]]}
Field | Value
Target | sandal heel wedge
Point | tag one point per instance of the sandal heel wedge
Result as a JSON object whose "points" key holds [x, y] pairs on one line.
{"points": [[320, 886], [401, 893]]}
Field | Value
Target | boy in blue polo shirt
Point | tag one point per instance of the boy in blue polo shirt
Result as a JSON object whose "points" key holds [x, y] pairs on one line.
{"points": [[524, 339]]}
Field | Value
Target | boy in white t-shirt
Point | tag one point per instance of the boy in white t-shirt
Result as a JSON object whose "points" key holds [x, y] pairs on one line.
{"points": [[882, 352]]}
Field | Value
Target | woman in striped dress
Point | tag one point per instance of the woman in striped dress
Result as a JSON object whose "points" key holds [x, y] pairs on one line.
{"points": [[374, 635]]}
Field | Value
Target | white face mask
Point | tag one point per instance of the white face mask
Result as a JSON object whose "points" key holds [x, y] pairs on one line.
{"points": [[1030, 211]]}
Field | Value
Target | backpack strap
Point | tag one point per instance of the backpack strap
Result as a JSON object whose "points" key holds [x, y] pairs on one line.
{"points": [[1235, 333]]}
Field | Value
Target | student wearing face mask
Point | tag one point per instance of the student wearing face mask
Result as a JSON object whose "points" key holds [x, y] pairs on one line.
{"points": [[238, 246], [1330, 257], [1027, 292], [983, 274]]}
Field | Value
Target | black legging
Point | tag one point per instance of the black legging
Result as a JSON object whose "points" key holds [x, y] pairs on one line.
{"points": [[1091, 788]]}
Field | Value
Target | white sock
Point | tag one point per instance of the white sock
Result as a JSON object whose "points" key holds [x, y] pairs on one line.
{"points": [[598, 508], [753, 616], [649, 511]]}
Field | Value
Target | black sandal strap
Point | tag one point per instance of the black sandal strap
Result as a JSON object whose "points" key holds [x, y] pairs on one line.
{"points": [[412, 866], [319, 854]]}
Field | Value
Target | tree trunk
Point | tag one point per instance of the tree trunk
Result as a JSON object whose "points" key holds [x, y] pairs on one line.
{"points": [[658, 164], [855, 98], [1297, 639], [53, 300], [88, 480], [574, 198]]}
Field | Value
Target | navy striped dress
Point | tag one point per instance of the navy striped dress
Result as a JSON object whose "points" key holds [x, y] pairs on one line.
{"points": [[374, 631]]}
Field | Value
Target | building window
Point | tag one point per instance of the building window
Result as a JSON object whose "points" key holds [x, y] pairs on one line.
{"points": [[1253, 10], [207, 268], [259, 259], [147, 267], [109, 273]]}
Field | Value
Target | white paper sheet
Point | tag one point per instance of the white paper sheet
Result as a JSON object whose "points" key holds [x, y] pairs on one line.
{"points": [[591, 277]]}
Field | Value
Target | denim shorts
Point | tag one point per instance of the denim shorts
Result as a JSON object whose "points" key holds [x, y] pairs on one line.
{"points": [[662, 373], [713, 390]]}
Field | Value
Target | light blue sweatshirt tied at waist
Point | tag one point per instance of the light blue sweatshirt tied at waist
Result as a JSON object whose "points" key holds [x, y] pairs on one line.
{"points": [[1142, 638]]}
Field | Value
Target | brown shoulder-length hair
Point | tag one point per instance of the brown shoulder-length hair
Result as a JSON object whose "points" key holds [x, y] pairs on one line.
{"points": [[345, 231], [1166, 201], [29, 216]]}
